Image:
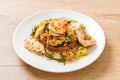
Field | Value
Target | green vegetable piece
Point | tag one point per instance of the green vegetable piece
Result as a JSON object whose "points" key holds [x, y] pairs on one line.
{"points": [[52, 58], [69, 39], [82, 26], [47, 20], [69, 21], [47, 29], [39, 30], [58, 60], [60, 45], [42, 25], [32, 33], [50, 19]]}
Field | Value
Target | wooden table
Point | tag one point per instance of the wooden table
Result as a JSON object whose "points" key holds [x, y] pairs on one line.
{"points": [[105, 12]]}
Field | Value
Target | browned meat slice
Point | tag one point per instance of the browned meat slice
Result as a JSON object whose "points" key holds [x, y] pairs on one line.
{"points": [[60, 49]]}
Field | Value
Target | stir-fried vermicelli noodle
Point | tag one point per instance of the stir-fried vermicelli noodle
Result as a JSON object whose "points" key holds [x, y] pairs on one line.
{"points": [[62, 37]]}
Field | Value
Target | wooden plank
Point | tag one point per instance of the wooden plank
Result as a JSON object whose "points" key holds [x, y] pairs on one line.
{"points": [[93, 72]]}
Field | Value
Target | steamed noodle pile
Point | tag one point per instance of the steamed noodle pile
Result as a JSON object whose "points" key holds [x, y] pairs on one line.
{"points": [[60, 39]]}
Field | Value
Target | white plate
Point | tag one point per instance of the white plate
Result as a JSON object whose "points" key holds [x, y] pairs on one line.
{"points": [[24, 28]]}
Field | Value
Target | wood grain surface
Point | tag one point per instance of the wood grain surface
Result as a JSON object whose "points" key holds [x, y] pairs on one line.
{"points": [[105, 12]]}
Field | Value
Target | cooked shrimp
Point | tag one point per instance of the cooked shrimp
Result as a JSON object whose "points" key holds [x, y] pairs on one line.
{"points": [[81, 35], [58, 26]]}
